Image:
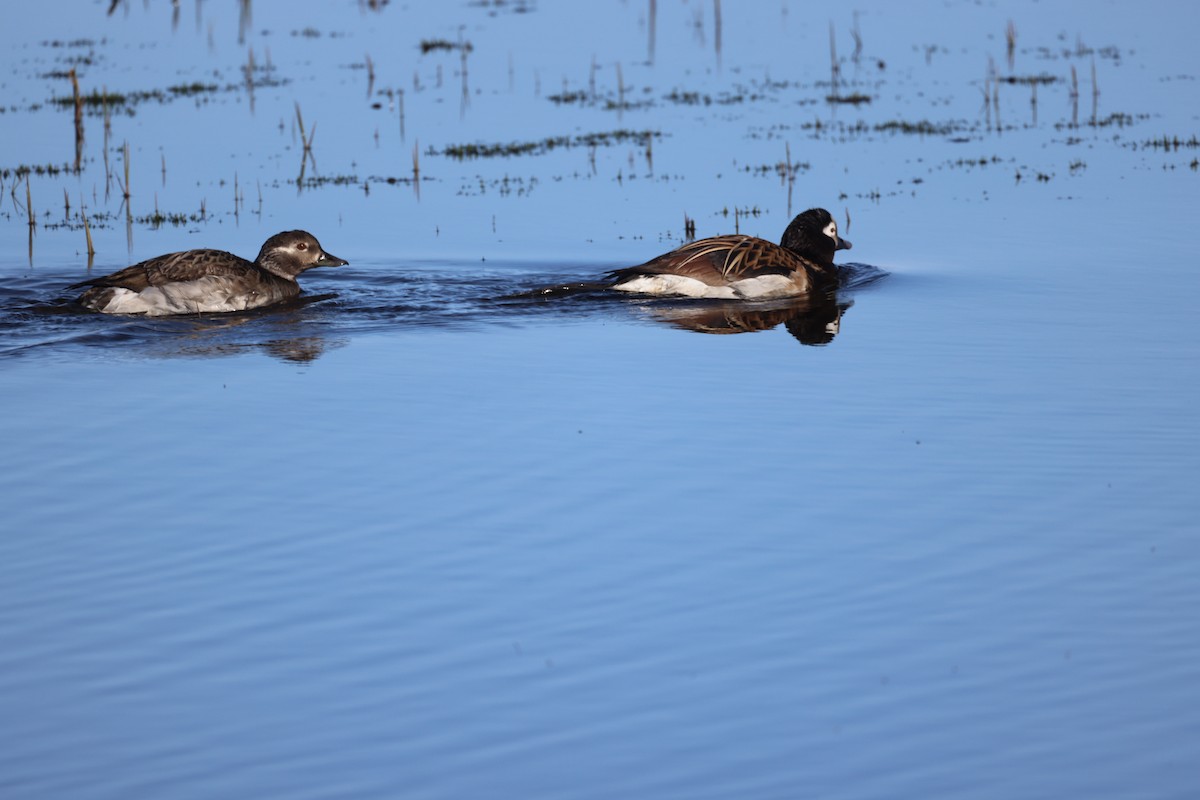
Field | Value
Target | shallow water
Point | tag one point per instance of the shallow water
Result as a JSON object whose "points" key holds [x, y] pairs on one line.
{"points": [[416, 536]]}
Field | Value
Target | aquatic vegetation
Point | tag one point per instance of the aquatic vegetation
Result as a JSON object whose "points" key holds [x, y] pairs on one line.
{"points": [[1028, 80], [567, 97], [316, 181], [101, 101], [429, 45], [783, 169], [158, 219], [1170, 143], [513, 6], [854, 99], [603, 139], [34, 169], [921, 128]]}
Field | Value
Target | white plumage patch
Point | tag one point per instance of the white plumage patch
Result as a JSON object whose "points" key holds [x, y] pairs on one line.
{"points": [[210, 294], [675, 285], [760, 288], [765, 287]]}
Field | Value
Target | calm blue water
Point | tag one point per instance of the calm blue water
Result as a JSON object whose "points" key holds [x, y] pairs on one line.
{"points": [[415, 539]]}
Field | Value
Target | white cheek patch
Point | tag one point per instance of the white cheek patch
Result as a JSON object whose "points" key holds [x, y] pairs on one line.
{"points": [[831, 231]]}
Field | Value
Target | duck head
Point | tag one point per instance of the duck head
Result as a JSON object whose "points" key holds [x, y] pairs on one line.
{"points": [[814, 235], [289, 253]]}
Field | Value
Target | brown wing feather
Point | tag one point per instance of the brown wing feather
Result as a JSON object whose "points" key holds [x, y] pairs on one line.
{"points": [[721, 259], [185, 266]]}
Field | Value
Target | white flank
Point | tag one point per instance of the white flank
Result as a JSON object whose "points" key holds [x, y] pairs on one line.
{"points": [[765, 287], [210, 294], [675, 285]]}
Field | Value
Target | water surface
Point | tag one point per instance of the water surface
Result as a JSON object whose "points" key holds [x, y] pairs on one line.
{"points": [[415, 537]]}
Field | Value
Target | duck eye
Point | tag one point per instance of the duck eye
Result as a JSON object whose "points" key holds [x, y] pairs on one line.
{"points": [[302, 246]]}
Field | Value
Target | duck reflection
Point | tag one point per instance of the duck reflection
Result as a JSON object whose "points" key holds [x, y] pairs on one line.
{"points": [[812, 319], [282, 332]]}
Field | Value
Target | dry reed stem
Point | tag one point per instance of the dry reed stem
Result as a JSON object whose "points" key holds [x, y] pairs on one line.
{"points": [[87, 231]]}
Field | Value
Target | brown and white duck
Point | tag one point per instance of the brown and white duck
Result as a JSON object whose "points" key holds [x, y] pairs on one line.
{"points": [[743, 267], [206, 281]]}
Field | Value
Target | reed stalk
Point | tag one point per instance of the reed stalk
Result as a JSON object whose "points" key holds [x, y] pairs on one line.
{"points": [[652, 22], [78, 120], [1010, 38], [87, 231], [125, 189], [835, 71]]}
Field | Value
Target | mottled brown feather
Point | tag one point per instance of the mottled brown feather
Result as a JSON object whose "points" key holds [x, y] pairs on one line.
{"points": [[172, 267]]}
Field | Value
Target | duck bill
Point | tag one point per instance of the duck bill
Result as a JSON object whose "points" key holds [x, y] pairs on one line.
{"points": [[330, 260], [843, 244]]}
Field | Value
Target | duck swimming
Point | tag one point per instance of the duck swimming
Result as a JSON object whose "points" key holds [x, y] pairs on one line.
{"points": [[204, 281], [744, 267]]}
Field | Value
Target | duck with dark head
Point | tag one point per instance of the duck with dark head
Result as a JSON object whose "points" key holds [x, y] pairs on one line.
{"points": [[744, 267]]}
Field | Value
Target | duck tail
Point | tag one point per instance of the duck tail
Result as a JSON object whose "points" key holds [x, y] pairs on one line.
{"points": [[560, 290]]}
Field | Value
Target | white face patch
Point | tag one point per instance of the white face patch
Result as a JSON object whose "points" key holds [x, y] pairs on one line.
{"points": [[831, 231]]}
